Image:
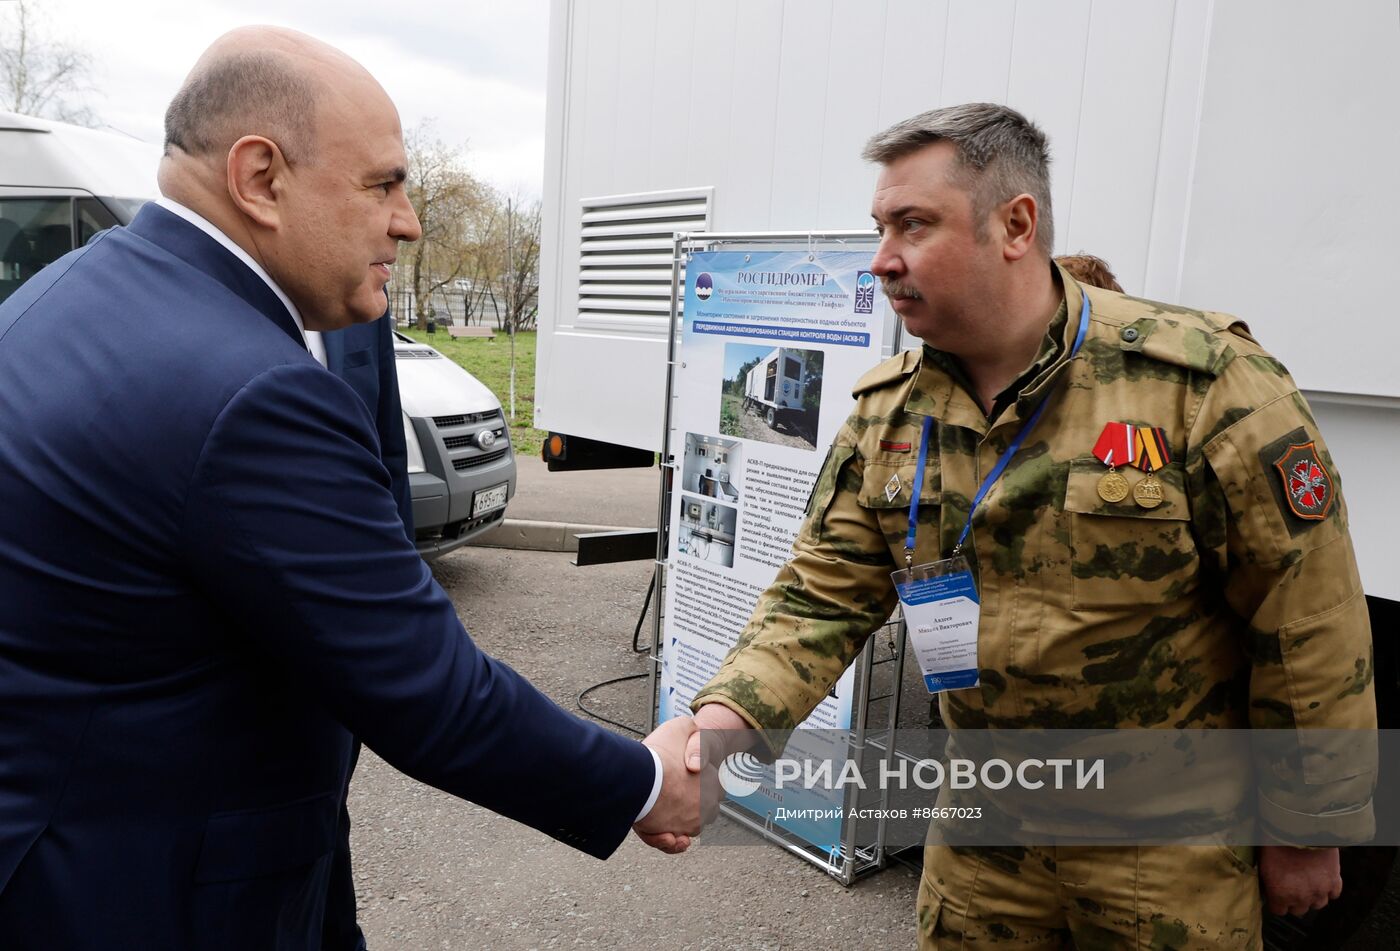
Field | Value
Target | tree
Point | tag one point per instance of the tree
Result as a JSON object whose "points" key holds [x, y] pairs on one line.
{"points": [[503, 263], [521, 275], [447, 199], [39, 77]]}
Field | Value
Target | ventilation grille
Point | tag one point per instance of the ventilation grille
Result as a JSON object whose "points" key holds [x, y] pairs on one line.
{"points": [[416, 355], [626, 244]]}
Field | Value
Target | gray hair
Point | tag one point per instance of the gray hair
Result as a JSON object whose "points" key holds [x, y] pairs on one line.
{"points": [[253, 93], [1001, 154]]}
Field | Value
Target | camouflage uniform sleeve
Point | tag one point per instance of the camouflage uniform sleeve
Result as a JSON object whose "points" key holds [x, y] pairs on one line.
{"points": [[1271, 520], [816, 615]]}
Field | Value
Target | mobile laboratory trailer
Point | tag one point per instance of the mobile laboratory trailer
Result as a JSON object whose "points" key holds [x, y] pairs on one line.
{"points": [[774, 387], [1234, 156]]}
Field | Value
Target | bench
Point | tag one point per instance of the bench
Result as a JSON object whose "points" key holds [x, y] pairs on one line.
{"points": [[456, 332]]}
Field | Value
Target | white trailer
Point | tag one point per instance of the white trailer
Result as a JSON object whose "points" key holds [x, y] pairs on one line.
{"points": [[1229, 155], [774, 387]]}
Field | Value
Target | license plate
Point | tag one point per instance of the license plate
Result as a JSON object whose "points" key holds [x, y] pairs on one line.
{"points": [[488, 500]]}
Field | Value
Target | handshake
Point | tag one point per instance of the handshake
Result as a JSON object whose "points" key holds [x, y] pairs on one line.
{"points": [[690, 790]]}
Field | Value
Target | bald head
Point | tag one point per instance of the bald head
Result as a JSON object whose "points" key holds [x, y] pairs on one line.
{"points": [[256, 80], [292, 151]]}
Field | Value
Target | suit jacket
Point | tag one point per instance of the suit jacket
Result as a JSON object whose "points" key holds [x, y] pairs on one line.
{"points": [[204, 581], [363, 356]]}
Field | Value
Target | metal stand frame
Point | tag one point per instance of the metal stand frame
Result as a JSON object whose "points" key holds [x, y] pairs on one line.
{"points": [[862, 847]]}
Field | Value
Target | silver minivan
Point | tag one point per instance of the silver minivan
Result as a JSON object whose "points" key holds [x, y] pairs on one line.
{"points": [[461, 464]]}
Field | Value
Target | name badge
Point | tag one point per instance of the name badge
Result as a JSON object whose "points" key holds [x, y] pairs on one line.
{"points": [[941, 611]]}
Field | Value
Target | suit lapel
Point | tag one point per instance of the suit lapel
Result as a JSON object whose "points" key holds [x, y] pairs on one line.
{"points": [[186, 242]]}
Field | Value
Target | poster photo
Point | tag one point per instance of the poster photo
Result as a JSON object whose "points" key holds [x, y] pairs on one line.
{"points": [[772, 394]]}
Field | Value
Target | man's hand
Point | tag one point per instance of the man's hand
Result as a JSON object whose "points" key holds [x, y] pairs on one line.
{"points": [[712, 716], [1296, 881], [677, 815]]}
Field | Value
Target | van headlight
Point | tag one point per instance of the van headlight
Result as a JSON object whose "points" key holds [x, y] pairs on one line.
{"points": [[415, 451]]}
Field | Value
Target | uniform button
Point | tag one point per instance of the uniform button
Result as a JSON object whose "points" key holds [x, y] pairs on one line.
{"points": [[1130, 334]]}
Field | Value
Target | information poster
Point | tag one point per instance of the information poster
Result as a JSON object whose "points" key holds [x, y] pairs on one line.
{"points": [[771, 345]]}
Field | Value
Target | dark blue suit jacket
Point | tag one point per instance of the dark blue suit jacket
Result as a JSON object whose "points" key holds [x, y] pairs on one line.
{"points": [[204, 581]]}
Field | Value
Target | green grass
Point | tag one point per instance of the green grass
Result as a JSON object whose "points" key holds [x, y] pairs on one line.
{"points": [[489, 362], [731, 407]]}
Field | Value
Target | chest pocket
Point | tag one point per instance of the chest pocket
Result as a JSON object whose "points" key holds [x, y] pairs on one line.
{"points": [[1121, 554], [887, 485]]}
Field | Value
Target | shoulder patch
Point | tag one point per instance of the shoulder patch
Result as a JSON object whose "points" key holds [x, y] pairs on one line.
{"points": [[1303, 485], [889, 371], [1307, 485]]}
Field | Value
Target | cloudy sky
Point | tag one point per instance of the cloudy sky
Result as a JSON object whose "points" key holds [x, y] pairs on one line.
{"points": [[475, 68]]}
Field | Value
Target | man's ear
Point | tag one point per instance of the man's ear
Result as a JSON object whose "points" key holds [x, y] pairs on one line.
{"points": [[1020, 217], [256, 179]]}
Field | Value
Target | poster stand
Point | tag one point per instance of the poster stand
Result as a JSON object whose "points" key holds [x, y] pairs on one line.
{"points": [[860, 849]]}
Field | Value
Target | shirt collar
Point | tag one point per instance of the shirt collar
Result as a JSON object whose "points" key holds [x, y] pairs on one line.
{"points": [[203, 224], [943, 390]]}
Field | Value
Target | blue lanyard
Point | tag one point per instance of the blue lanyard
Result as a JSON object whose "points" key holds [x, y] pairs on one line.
{"points": [[997, 470]]}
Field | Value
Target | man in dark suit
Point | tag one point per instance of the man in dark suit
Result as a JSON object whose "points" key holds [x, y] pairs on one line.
{"points": [[205, 585]]}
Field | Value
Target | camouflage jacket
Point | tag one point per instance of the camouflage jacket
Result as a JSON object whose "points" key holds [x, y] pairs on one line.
{"points": [[1231, 604]]}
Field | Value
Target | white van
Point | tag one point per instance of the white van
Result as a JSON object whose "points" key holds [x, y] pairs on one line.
{"points": [[61, 184]]}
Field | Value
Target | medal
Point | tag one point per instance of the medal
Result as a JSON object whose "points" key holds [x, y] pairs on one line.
{"points": [[1117, 442], [1148, 493], [1113, 487], [1151, 453]]}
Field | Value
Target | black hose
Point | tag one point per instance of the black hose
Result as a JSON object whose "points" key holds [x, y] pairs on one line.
{"points": [[636, 649]]}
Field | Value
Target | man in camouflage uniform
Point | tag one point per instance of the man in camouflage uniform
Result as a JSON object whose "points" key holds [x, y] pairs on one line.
{"points": [[1232, 603]]}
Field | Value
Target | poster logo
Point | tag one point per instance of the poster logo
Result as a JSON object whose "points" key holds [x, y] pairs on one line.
{"points": [[865, 292], [704, 286], [741, 774]]}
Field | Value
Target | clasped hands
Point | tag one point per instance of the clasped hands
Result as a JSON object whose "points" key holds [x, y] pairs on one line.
{"points": [[690, 790]]}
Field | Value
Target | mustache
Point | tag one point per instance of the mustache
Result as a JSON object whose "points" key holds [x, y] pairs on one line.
{"points": [[895, 289]]}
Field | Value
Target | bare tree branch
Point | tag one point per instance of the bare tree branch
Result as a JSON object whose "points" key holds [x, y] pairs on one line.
{"points": [[39, 77]]}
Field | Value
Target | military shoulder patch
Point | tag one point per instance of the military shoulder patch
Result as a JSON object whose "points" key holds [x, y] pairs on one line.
{"points": [[1307, 485]]}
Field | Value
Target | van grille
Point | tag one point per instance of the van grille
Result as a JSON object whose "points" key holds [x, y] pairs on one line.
{"points": [[461, 442], [466, 419], [485, 458]]}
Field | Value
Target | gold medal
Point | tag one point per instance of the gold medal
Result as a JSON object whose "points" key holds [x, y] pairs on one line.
{"points": [[1148, 493], [1113, 487]]}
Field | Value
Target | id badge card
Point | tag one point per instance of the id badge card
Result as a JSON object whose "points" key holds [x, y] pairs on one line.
{"points": [[941, 611]]}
